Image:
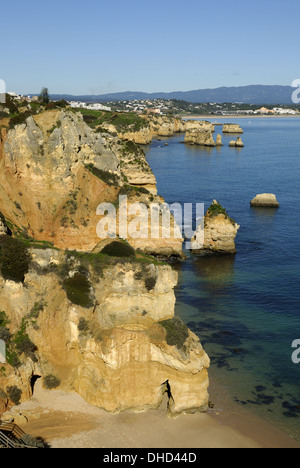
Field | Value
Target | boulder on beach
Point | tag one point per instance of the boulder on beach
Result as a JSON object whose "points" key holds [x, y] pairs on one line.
{"points": [[268, 200]]}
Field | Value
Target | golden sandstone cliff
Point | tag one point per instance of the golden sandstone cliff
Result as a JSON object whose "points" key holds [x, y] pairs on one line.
{"points": [[63, 170], [83, 313], [117, 350]]}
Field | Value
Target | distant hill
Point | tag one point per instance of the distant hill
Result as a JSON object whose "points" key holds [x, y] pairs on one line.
{"points": [[253, 94]]}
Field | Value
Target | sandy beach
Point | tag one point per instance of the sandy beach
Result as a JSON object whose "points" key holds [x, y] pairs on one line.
{"points": [[65, 420]]}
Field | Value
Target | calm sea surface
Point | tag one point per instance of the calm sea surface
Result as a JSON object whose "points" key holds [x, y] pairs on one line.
{"points": [[244, 308]]}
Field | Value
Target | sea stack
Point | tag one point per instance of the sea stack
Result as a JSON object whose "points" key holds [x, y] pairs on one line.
{"points": [[219, 140], [232, 128], [237, 144], [266, 200], [199, 137], [217, 234]]}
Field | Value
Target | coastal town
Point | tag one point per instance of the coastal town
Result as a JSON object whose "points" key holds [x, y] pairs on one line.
{"points": [[176, 107]]}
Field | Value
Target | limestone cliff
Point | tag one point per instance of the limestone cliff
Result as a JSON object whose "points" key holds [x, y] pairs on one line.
{"points": [[111, 337], [219, 230], [142, 136], [163, 125], [84, 313], [55, 171]]}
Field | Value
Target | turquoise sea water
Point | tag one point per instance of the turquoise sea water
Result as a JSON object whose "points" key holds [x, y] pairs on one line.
{"points": [[244, 308]]}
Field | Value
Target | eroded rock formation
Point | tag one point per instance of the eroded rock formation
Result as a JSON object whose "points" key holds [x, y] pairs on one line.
{"points": [[217, 232], [83, 313], [237, 144], [232, 128], [63, 170], [121, 350], [199, 137], [267, 200]]}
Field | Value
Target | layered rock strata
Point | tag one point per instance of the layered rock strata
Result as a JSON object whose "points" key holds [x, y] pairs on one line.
{"points": [[267, 200], [123, 350], [199, 138], [63, 170]]}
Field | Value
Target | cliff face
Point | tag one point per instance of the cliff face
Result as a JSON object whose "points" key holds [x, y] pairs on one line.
{"points": [[164, 126], [63, 170], [89, 315], [117, 350]]}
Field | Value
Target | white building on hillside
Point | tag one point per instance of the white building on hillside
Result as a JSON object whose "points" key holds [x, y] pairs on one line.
{"points": [[279, 110], [94, 106]]}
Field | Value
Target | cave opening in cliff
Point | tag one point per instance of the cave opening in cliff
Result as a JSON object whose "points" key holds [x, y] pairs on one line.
{"points": [[33, 380]]}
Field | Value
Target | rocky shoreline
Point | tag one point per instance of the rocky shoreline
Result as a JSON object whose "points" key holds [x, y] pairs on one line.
{"points": [[72, 314]]}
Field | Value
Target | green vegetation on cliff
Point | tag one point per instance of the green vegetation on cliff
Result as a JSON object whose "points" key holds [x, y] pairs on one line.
{"points": [[216, 209], [14, 259], [176, 332], [18, 343], [107, 177], [123, 122]]}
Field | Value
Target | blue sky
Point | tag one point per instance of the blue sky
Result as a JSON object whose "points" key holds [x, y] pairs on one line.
{"points": [[96, 46]]}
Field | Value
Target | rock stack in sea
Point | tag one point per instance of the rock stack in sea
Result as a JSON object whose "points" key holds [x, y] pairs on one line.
{"points": [[217, 233], [232, 128], [199, 137], [219, 140], [237, 144], [267, 200]]}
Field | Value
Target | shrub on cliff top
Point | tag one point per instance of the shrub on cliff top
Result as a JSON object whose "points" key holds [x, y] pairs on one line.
{"points": [[19, 119], [216, 209], [119, 249], [14, 259], [177, 332]]}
